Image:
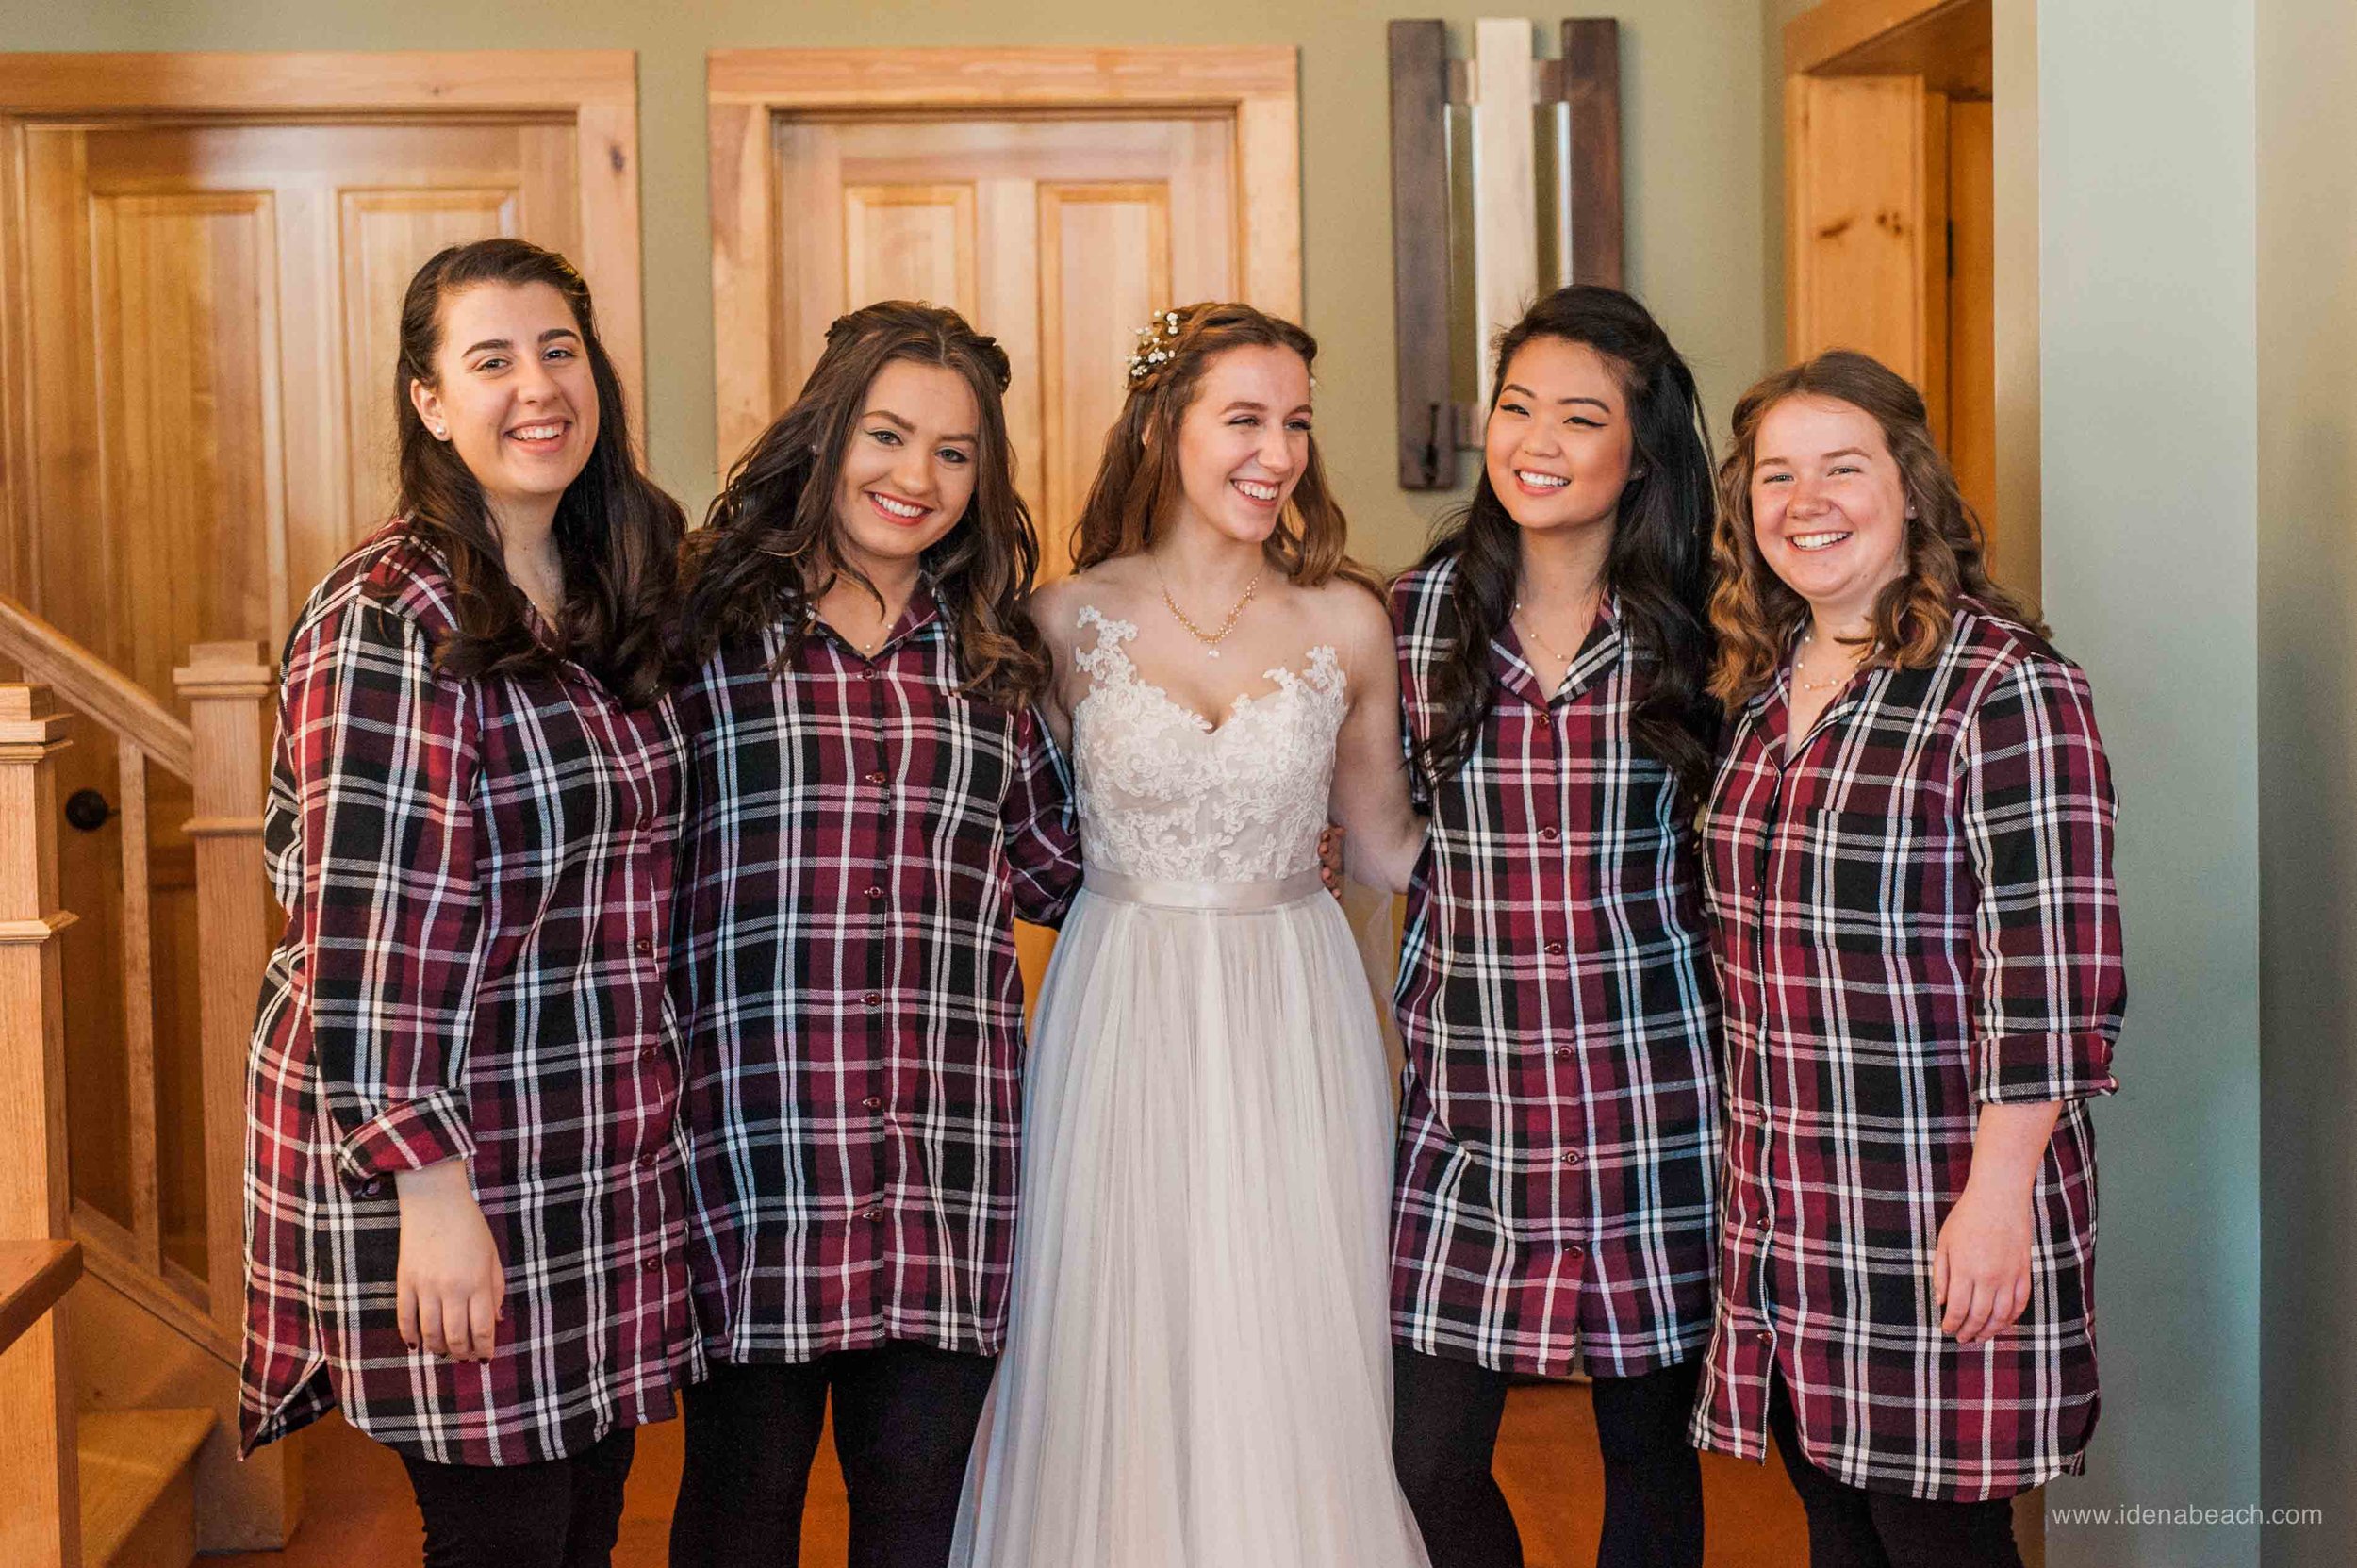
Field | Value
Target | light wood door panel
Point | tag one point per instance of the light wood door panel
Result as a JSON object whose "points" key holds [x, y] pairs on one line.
{"points": [[1057, 235], [208, 392], [1972, 307], [1867, 194]]}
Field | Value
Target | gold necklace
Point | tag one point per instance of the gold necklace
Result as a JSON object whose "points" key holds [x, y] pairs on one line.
{"points": [[1831, 680], [1530, 629], [1209, 639]]}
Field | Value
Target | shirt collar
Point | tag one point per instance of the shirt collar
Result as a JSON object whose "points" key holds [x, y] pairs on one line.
{"points": [[922, 611], [1595, 658]]}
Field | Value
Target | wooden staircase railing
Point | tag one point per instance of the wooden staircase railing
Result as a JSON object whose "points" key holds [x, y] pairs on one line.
{"points": [[220, 754], [40, 1498]]}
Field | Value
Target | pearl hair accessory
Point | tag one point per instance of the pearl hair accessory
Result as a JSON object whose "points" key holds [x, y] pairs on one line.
{"points": [[1154, 344]]}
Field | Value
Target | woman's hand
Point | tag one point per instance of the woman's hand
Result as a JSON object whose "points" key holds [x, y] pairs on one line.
{"points": [[1980, 1268], [1981, 1278], [449, 1286], [1330, 858]]}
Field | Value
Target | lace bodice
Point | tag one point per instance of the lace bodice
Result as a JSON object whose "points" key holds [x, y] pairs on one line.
{"points": [[1163, 793]]}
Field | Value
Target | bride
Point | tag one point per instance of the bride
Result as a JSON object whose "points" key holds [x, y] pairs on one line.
{"points": [[1198, 1370]]}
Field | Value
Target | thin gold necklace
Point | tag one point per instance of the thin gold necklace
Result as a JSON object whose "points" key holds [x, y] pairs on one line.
{"points": [[1829, 682], [1530, 629], [1210, 640]]}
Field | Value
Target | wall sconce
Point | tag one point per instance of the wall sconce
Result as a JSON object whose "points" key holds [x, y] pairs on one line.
{"points": [[1482, 150]]}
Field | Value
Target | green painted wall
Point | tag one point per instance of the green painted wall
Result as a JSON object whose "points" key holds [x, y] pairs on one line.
{"points": [[1691, 162], [2307, 759], [2148, 372]]}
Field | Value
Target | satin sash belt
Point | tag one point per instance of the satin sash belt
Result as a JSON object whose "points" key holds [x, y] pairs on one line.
{"points": [[1174, 893]]}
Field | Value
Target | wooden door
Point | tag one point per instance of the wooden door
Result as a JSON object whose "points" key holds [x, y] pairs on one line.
{"points": [[1054, 197], [206, 394], [1058, 236], [1866, 193], [1972, 311]]}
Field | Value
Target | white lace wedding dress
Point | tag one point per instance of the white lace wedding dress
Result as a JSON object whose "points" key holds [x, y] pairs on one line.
{"points": [[1197, 1372]]}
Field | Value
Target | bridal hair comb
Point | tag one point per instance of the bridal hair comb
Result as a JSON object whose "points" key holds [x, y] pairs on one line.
{"points": [[1156, 340]]}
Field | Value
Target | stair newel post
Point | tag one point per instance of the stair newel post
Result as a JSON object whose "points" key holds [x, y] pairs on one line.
{"points": [[40, 1501], [228, 688]]}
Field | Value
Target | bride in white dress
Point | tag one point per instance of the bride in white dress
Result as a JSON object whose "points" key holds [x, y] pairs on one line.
{"points": [[1197, 1370]]}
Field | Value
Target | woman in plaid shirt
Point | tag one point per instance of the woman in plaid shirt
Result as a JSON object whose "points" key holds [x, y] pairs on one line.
{"points": [[1559, 1127], [871, 803], [466, 1224], [1908, 861]]}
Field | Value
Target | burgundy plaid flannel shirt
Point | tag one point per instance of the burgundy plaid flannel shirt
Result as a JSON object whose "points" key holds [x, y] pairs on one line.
{"points": [[1560, 1133], [859, 837], [1912, 918], [477, 876]]}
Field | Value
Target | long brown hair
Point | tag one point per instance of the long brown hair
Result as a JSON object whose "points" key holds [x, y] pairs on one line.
{"points": [[1137, 481], [617, 533], [1757, 616], [767, 552], [1656, 566]]}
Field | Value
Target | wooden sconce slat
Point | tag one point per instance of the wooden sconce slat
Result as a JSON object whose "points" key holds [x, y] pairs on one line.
{"points": [[1424, 83], [1427, 424]]}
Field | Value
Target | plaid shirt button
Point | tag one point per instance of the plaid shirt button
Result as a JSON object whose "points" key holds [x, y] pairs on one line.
{"points": [[874, 892], [873, 999], [643, 947], [877, 776], [1554, 949], [1571, 1157], [1549, 833], [873, 1102]]}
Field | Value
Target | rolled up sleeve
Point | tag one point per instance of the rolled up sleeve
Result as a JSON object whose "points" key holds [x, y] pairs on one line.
{"points": [[383, 759], [2035, 793]]}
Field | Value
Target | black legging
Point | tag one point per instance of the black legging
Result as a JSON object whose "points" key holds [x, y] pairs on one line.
{"points": [[559, 1513], [904, 1420], [1851, 1527], [1444, 1430]]}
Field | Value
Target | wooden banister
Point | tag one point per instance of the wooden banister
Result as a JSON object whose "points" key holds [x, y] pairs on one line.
{"points": [[228, 688], [33, 1277], [88, 684], [40, 1502]]}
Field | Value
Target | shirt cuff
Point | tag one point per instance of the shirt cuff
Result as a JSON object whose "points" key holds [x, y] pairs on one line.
{"points": [[409, 1136], [2031, 1069]]}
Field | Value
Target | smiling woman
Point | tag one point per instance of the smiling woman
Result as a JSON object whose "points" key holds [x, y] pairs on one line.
{"points": [[466, 1202], [1908, 862], [870, 804]]}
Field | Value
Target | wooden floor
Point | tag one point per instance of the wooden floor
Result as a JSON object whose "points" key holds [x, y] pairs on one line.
{"points": [[358, 1514]]}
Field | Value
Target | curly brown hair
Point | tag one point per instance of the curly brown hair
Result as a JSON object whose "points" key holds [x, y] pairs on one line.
{"points": [[1137, 481], [1754, 613], [767, 552]]}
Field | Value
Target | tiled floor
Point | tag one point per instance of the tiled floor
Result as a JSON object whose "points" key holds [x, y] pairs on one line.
{"points": [[358, 1514]]}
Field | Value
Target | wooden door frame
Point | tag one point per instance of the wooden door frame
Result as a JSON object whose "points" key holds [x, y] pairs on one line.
{"points": [[746, 90], [1854, 37], [598, 88]]}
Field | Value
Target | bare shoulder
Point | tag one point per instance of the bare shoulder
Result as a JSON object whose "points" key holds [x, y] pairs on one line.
{"points": [[1352, 617], [1056, 607]]}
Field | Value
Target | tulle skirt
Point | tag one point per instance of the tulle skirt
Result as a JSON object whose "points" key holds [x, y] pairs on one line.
{"points": [[1197, 1372]]}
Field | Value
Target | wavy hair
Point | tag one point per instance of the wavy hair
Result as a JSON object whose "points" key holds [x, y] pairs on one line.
{"points": [[1656, 566], [617, 533], [767, 552], [1757, 615], [1138, 481]]}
